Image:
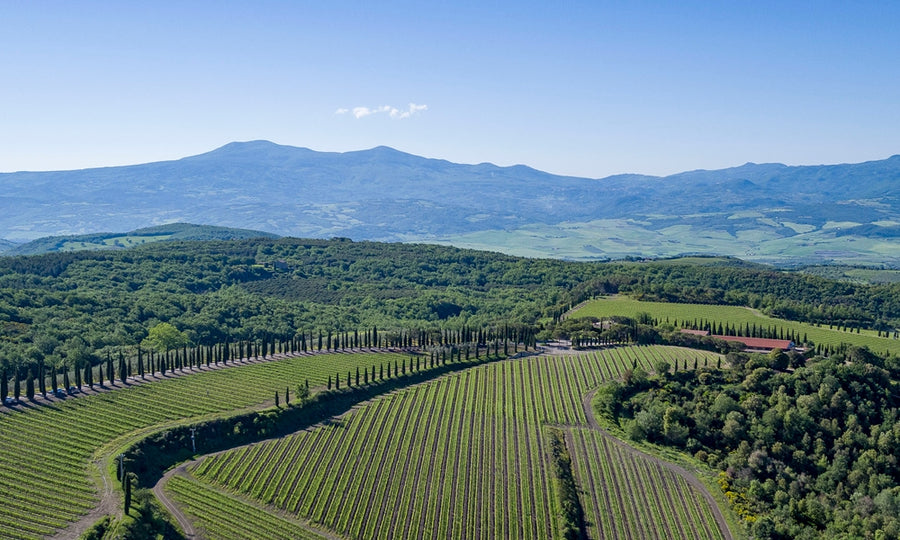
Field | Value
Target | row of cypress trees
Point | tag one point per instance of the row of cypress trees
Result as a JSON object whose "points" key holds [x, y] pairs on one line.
{"points": [[147, 362]]}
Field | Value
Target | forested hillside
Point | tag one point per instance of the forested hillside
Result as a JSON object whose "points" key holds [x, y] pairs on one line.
{"points": [[68, 308], [809, 452]]}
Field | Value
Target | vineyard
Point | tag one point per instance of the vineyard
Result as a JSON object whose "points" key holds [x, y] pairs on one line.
{"points": [[630, 496], [735, 316], [223, 517], [464, 456], [46, 478]]}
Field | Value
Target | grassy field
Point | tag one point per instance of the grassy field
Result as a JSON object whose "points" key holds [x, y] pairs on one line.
{"points": [[464, 456], [629, 307], [620, 238], [45, 475]]}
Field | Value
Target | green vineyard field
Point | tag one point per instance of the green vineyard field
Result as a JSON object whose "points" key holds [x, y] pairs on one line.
{"points": [[221, 517], [46, 478], [734, 315], [464, 456], [630, 496]]}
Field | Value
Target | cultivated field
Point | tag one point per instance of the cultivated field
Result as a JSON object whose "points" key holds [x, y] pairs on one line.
{"points": [[734, 315], [224, 517], [463, 456], [45, 476], [627, 495]]}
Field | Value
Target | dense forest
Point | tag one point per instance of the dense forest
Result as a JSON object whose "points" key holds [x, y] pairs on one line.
{"points": [[809, 452], [65, 309]]}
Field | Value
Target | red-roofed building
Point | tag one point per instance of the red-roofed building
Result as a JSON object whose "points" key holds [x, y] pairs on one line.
{"points": [[760, 344]]}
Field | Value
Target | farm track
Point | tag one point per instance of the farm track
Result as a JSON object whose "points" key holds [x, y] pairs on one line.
{"points": [[186, 525]]}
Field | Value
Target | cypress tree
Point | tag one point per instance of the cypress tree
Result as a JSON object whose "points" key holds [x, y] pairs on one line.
{"points": [[348, 379], [357, 375], [42, 379], [100, 374], [17, 388], [29, 384], [89, 375], [287, 395], [109, 369], [276, 399], [4, 385], [77, 371], [380, 372], [329, 382], [337, 381], [127, 487]]}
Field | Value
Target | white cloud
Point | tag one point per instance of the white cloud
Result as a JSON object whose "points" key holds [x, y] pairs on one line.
{"points": [[393, 112]]}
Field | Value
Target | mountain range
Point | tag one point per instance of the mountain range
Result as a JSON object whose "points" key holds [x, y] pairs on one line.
{"points": [[765, 212]]}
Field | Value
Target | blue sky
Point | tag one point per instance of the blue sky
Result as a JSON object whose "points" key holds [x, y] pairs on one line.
{"points": [[585, 88]]}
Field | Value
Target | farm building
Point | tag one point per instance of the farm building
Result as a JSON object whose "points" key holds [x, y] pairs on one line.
{"points": [[752, 344], [760, 344]]}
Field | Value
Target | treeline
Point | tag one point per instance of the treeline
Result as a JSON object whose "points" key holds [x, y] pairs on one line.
{"points": [[571, 514], [802, 453], [442, 345], [62, 310], [792, 296]]}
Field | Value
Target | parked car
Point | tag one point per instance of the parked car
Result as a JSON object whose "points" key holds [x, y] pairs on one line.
{"points": [[9, 401], [60, 392], [73, 390]]}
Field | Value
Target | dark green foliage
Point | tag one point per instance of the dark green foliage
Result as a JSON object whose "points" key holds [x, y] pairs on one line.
{"points": [[808, 453], [90, 304], [98, 530], [29, 385], [572, 525], [149, 520], [126, 487]]}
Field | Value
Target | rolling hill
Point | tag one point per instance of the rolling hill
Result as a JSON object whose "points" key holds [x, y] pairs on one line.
{"points": [[159, 233], [764, 212]]}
